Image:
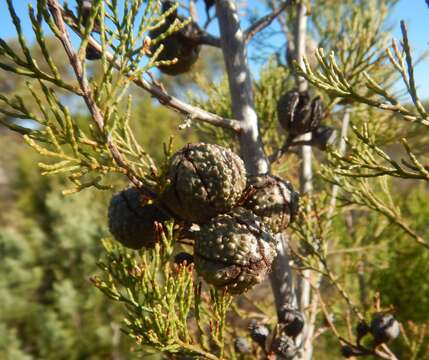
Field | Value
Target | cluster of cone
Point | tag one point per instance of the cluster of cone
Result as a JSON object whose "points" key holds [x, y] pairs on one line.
{"points": [[279, 341], [237, 215], [383, 329]]}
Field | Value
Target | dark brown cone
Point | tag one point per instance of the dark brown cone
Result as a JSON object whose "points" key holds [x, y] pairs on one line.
{"points": [[273, 200], [133, 224], [205, 180], [298, 113]]}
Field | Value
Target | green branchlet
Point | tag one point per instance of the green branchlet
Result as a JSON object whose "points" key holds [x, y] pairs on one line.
{"points": [[166, 308]]}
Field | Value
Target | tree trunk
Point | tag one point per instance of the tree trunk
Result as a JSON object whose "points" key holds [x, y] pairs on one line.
{"points": [[240, 87], [252, 151]]}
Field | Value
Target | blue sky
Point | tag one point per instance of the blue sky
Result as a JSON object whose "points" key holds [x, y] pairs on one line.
{"points": [[414, 12], [416, 15]]}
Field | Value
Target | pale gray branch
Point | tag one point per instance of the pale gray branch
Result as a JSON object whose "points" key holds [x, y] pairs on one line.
{"points": [[234, 50], [311, 325], [265, 21], [188, 110], [306, 175], [240, 86]]}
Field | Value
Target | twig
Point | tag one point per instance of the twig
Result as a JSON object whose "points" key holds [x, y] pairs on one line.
{"points": [[288, 144], [335, 188], [280, 152], [204, 38], [265, 21], [88, 97], [208, 21], [411, 83], [195, 113], [341, 150]]}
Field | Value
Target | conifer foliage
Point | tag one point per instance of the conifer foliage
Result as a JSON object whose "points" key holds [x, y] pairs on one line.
{"points": [[193, 229]]}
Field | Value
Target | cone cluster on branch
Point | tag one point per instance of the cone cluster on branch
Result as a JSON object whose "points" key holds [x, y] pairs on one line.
{"points": [[237, 215], [279, 342], [383, 328]]}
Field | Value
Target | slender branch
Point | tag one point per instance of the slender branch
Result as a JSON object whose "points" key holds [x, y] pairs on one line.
{"points": [[308, 349], [342, 150], [205, 38], [193, 10], [363, 290], [306, 153], [193, 112], [265, 21], [288, 144], [281, 276], [87, 94], [306, 175], [285, 148], [283, 24]]}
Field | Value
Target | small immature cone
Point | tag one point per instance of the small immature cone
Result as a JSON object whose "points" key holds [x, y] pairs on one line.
{"points": [[291, 321], [384, 327], [205, 180], [259, 333], [323, 136], [183, 258], [234, 251], [91, 53], [361, 330], [84, 10], [242, 346]]}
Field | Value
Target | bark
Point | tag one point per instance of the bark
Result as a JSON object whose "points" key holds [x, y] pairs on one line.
{"points": [[240, 86], [306, 172], [281, 276]]}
